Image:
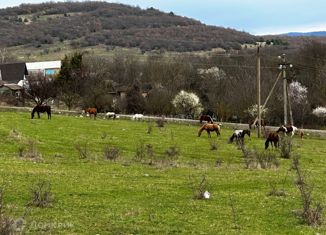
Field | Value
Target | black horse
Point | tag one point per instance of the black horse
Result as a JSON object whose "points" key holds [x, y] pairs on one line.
{"points": [[42, 109]]}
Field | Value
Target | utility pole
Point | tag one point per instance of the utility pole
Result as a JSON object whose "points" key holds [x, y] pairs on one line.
{"points": [[283, 66], [258, 92], [285, 102]]}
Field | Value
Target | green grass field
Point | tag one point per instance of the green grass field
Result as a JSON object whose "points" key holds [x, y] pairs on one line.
{"points": [[98, 196]]}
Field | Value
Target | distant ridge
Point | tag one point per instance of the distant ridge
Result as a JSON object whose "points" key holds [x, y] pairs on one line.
{"points": [[307, 34]]}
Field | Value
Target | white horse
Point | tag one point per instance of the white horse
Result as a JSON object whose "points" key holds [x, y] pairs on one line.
{"points": [[137, 116], [111, 115]]}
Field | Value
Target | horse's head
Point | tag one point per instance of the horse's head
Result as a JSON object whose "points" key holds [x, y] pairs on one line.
{"points": [[248, 132], [282, 129]]}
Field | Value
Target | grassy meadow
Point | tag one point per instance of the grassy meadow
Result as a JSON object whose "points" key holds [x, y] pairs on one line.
{"points": [[93, 195]]}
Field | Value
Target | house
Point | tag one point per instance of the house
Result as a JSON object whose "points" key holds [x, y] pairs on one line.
{"points": [[47, 68], [13, 73]]}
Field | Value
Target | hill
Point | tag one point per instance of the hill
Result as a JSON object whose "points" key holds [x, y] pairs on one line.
{"points": [[307, 34], [85, 24]]}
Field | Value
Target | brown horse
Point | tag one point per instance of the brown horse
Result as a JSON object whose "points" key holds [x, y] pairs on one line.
{"points": [[272, 138], [41, 109], [210, 127], [91, 111], [206, 118], [262, 124]]}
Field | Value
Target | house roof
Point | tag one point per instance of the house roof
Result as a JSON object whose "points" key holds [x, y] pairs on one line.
{"points": [[13, 73], [44, 65], [13, 87]]}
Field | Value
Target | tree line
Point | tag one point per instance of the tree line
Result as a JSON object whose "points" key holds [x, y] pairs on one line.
{"points": [[224, 83]]}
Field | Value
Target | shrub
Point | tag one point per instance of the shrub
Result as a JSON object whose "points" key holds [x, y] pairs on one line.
{"points": [[286, 146], [41, 195], [30, 151], [6, 223], [201, 188], [111, 153], [311, 216], [259, 159]]}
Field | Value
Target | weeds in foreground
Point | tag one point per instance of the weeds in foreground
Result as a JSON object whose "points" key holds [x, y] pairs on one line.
{"points": [[311, 216], [41, 195], [254, 159]]}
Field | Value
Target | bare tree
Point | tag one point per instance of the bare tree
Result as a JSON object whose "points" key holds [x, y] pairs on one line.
{"points": [[39, 89]]}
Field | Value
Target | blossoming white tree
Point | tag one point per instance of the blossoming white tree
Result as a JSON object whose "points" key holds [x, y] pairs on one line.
{"points": [[298, 92], [319, 112], [187, 103], [253, 110]]}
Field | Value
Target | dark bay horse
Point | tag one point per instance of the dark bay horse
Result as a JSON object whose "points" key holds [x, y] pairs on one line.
{"points": [[210, 127], [41, 109], [239, 135], [206, 118], [91, 111], [272, 138]]}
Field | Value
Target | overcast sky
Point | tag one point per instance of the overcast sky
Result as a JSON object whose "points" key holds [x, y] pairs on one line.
{"points": [[253, 16]]}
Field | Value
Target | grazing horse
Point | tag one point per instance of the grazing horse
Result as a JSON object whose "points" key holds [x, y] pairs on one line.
{"points": [[90, 111], [111, 115], [41, 109], [272, 137], [288, 129], [137, 116], [206, 118], [239, 135], [210, 127], [262, 123]]}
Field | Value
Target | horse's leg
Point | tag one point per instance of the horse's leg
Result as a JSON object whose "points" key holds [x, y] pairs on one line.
{"points": [[38, 114], [209, 133]]}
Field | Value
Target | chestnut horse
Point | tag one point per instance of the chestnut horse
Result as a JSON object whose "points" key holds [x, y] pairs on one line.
{"points": [[91, 111], [206, 118], [239, 135], [41, 109], [210, 127]]}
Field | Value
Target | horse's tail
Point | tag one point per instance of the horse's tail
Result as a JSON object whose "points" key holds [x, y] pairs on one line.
{"points": [[266, 143]]}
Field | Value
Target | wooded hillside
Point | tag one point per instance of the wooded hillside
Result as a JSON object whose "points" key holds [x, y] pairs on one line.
{"points": [[90, 23]]}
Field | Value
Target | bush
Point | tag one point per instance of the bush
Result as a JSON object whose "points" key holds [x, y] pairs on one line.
{"points": [[41, 195], [286, 146], [6, 223], [259, 159], [111, 153]]}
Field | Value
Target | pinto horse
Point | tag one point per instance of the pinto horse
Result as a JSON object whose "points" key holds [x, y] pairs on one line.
{"points": [[91, 111], [239, 135], [41, 109], [206, 118], [210, 127], [288, 129]]}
